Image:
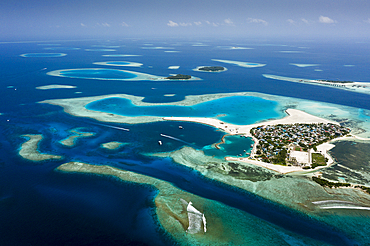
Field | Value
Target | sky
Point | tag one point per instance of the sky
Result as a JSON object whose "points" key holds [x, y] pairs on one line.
{"points": [[25, 19]]}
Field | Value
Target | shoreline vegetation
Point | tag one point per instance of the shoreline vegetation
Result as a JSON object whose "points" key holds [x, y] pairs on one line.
{"points": [[211, 69]]}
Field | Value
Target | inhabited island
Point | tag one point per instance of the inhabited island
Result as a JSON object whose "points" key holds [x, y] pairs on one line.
{"points": [[179, 76], [294, 144]]}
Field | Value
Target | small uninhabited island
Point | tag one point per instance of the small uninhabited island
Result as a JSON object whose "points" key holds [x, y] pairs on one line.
{"points": [[29, 149], [210, 69], [50, 87], [179, 77]]}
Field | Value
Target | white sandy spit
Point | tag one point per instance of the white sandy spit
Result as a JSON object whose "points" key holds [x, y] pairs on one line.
{"points": [[49, 87]]}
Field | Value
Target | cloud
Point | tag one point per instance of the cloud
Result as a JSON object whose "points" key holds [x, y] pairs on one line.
{"points": [[172, 24], [105, 24], [252, 20], [124, 24], [198, 23], [82, 24], [304, 20], [185, 24], [209, 23], [228, 21], [326, 20], [291, 21], [367, 21]]}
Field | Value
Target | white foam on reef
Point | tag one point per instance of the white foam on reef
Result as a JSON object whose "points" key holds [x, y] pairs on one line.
{"points": [[43, 55], [120, 55], [173, 67], [100, 50], [303, 65], [129, 64], [196, 219], [348, 65], [172, 51], [139, 76], [241, 64], [49, 87], [158, 48], [290, 51]]}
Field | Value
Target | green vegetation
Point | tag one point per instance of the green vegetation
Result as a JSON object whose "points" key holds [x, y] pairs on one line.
{"points": [[335, 81], [327, 183], [212, 69], [364, 188], [179, 76], [318, 160]]}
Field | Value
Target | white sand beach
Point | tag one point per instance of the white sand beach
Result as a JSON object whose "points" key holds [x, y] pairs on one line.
{"points": [[294, 116]]}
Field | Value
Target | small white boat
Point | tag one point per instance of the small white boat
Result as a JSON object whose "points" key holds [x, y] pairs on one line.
{"points": [[160, 142]]}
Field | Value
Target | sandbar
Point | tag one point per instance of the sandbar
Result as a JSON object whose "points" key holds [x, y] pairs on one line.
{"points": [[29, 149], [360, 87], [119, 63], [303, 65], [49, 87], [241, 64], [113, 145]]}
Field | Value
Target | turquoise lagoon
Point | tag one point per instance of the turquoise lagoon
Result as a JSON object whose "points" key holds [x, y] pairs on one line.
{"points": [[239, 110]]}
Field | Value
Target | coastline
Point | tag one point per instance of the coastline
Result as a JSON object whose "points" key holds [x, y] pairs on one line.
{"points": [[293, 116]]}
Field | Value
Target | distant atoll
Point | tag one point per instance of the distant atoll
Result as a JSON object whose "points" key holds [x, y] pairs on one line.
{"points": [[50, 87]]}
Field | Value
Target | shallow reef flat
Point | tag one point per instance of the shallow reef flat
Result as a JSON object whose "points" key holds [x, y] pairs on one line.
{"points": [[119, 63], [241, 64], [109, 74], [43, 55], [50, 87], [225, 225], [76, 134], [29, 149], [354, 118], [297, 191], [360, 87], [113, 145]]}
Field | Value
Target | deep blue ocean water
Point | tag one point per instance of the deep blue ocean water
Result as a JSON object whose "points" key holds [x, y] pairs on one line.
{"points": [[51, 208]]}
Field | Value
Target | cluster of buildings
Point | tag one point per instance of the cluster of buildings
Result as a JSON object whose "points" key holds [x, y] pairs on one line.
{"points": [[275, 142]]}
